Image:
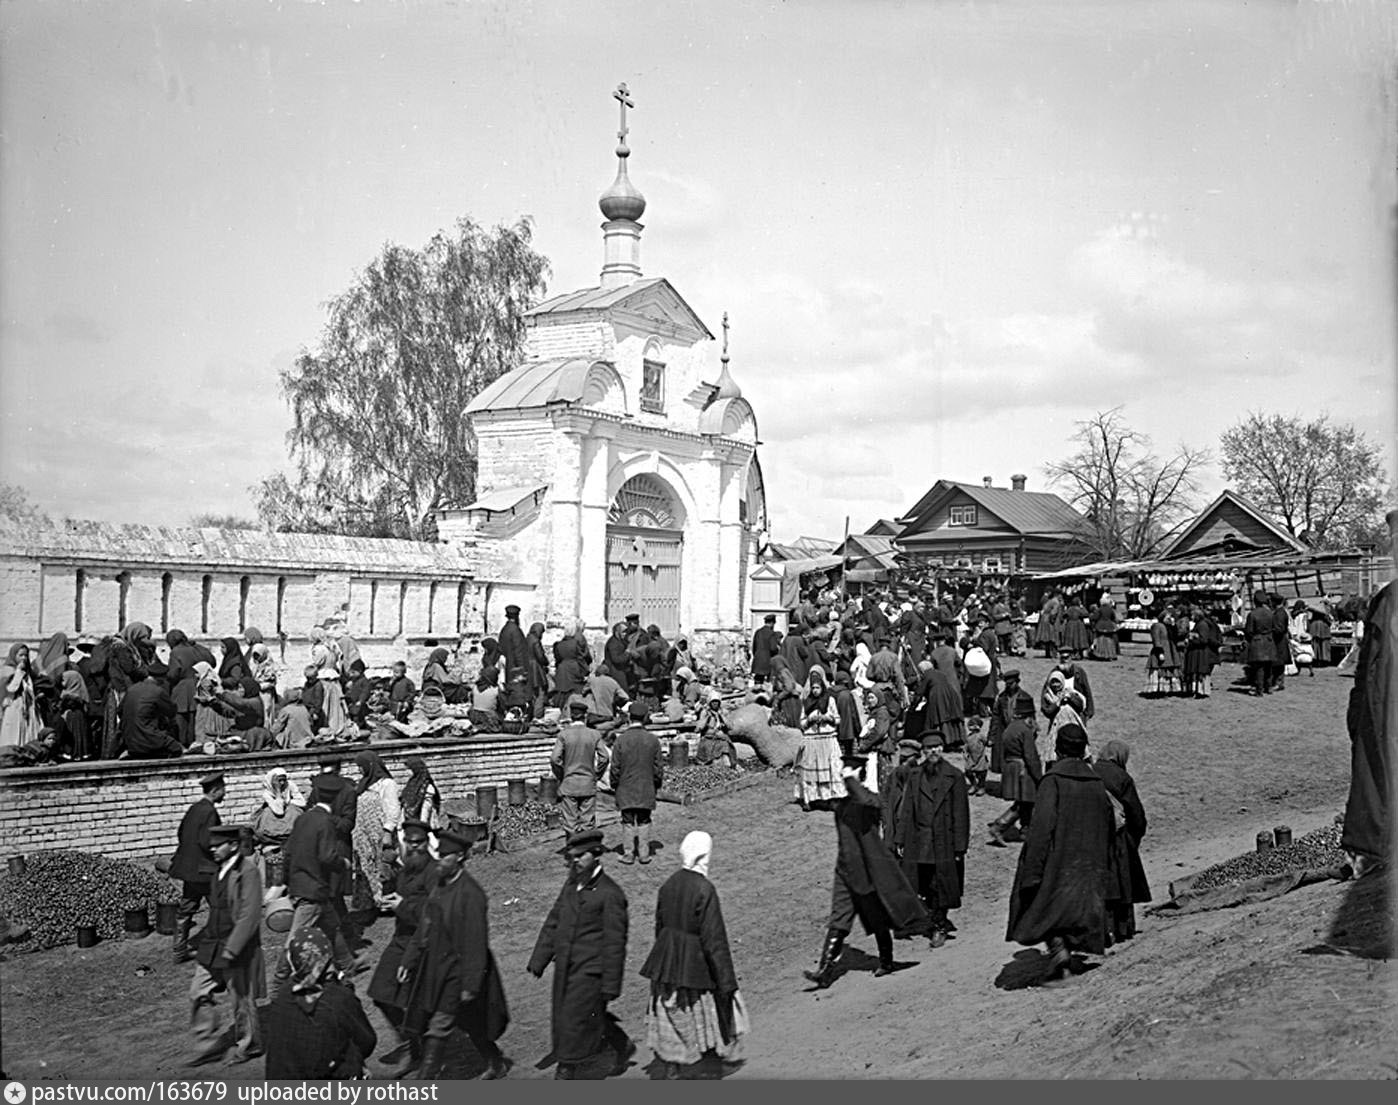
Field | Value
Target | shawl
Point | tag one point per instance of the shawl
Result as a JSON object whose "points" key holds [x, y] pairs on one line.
{"points": [[176, 637], [695, 850], [278, 791], [1114, 752], [349, 651], [233, 663], [12, 662], [489, 677], [818, 695], [252, 635], [137, 636], [74, 686], [308, 952], [436, 669], [371, 770], [417, 788], [53, 654]]}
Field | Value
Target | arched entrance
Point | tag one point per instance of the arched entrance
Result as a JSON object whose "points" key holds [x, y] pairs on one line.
{"points": [[645, 545]]}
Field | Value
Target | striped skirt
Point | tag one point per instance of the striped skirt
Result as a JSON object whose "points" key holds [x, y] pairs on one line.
{"points": [[818, 769], [683, 1024]]}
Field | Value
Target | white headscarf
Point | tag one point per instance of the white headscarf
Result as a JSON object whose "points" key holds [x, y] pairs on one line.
{"points": [[694, 852]]}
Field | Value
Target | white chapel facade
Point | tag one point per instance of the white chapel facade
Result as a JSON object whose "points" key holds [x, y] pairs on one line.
{"points": [[613, 477]]}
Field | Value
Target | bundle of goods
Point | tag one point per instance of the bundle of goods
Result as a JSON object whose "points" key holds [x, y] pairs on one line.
{"points": [[777, 745], [61, 891]]}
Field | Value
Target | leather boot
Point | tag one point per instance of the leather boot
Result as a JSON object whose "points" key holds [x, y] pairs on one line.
{"points": [[825, 972], [884, 940], [630, 857], [434, 1057], [411, 1060], [1059, 959], [643, 844], [183, 954]]}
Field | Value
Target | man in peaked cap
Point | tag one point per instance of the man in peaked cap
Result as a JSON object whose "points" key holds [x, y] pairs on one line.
{"points": [[514, 651], [584, 937], [229, 955], [579, 756], [932, 833], [868, 882], [193, 861], [636, 774], [455, 983], [415, 882], [766, 643]]}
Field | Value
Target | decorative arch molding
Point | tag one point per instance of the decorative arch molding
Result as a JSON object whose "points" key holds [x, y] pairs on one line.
{"points": [[603, 389], [731, 418], [664, 471]]}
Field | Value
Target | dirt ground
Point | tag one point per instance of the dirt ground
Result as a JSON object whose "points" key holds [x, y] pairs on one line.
{"points": [[1253, 991]]}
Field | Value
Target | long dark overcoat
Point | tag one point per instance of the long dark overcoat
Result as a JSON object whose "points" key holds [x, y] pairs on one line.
{"points": [[637, 769], [1126, 877], [450, 952], [194, 858], [766, 643], [867, 867], [1367, 810], [932, 825], [1258, 632], [691, 944], [1061, 881], [413, 889], [514, 651], [584, 936]]}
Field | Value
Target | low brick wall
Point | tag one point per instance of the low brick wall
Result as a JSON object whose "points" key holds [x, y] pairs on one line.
{"points": [[132, 809]]}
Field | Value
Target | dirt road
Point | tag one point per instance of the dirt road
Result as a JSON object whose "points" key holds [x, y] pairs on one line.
{"points": [[1235, 993]]}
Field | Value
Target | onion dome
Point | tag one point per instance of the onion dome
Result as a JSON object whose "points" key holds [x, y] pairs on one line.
{"points": [[622, 200], [727, 386]]}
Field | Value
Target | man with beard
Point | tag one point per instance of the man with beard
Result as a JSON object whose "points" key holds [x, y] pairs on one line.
{"points": [[415, 882], [514, 647], [584, 936], [455, 983], [931, 832], [868, 882]]}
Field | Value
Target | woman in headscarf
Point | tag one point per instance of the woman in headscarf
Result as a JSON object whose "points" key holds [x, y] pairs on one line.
{"points": [[19, 711], [787, 708], [378, 817], [332, 705], [1048, 634], [1071, 705], [1201, 654], [128, 654], [1163, 665], [262, 669], [1075, 638], [847, 703], [818, 762], [213, 720], [485, 700], [434, 673], [420, 799], [1104, 642], [715, 744], [696, 1012], [70, 726], [537, 669], [348, 649], [572, 661], [53, 662], [282, 804], [316, 1028], [1126, 877], [233, 665], [943, 708], [490, 654]]}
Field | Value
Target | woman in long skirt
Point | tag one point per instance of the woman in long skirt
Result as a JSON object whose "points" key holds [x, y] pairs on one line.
{"points": [[1163, 666], [1075, 636], [818, 765], [1126, 877], [378, 817], [1104, 642], [696, 1012]]}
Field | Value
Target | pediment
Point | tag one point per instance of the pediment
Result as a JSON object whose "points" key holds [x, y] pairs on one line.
{"points": [[658, 308]]}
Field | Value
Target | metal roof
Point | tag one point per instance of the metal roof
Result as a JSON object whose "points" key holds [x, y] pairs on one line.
{"points": [[1028, 512], [602, 299], [507, 498], [536, 384], [1230, 496]]}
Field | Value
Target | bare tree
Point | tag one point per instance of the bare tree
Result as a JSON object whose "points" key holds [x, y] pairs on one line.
{"points": [[1322, 480], [1132, 502], [16, 505]]}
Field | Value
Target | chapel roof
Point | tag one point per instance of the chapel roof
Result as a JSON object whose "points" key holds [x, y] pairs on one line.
{"points": [[536, 384]]}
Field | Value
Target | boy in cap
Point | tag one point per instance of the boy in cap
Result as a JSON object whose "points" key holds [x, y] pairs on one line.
{"points": [[416, 879], [579, 757], [584, 936], [636, 774], [230, 952], [193, 861], [455, 982], [932, 832], [868, 882]]}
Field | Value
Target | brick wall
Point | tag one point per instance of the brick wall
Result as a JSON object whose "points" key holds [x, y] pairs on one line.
{"points": [[129, 809]]}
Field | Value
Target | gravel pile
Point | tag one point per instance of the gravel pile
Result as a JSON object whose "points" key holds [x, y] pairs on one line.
{"points": [[700, 777], [516, 821], [61, 890], [1313, 852]]}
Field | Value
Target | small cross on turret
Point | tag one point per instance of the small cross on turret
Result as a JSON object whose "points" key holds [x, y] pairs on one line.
{"points": [[623, 96]]}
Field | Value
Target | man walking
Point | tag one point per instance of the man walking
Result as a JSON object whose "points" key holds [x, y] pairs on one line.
{"points": [[868, 882], [193, 862], [313, 862], [514, 650], [584, 937], [766, 643], [932, 832], [1261, 653], [415, 882], [229, 956], [455, 982], [579, 756], [636, 774]]}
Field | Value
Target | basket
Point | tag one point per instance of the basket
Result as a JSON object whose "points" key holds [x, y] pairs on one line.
{"points": [[277, 913], [515, 726], [431, 701]]}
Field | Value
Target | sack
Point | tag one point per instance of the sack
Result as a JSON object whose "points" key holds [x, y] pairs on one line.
{"points": [[1118, 811], [976, 662]]}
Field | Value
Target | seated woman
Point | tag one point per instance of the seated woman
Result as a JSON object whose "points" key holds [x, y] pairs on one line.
{"points": [[282, 804], [787, 708], [715, 745], [485, 701]]}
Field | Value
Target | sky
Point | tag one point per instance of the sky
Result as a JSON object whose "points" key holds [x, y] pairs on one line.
{"points": [[944, 233]]}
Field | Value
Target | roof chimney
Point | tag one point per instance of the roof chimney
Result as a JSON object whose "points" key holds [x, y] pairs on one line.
{"points": [[986, 480], [1017, 482]]}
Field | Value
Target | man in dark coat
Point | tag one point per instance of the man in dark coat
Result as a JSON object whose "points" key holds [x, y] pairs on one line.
{"points": [[946, 658], [848, 732], [148, 722], [637, 772], [315, 863], [584, 937], [344, 812], [416, 879], [1281, 642], [797, 653], [454, 977], [193, 861], [766, 643], [1020, 772], [931, 833], [875, 623], [1367, 830], [1010, 703], [1261, 652], [538, 669], [1059, 892], [868, 883], [912, 625], [514, 649], [617, 659]]}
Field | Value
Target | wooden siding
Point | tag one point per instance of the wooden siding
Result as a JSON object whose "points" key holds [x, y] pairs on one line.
{"points": [[1225, 519]]}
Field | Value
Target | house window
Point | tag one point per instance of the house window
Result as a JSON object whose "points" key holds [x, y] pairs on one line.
{"points": [[963, 516], [653, 387], [992, 564], [962, 562]]}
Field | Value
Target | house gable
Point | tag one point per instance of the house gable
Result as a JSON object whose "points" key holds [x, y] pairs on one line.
{"points": [[1231, 515]]}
